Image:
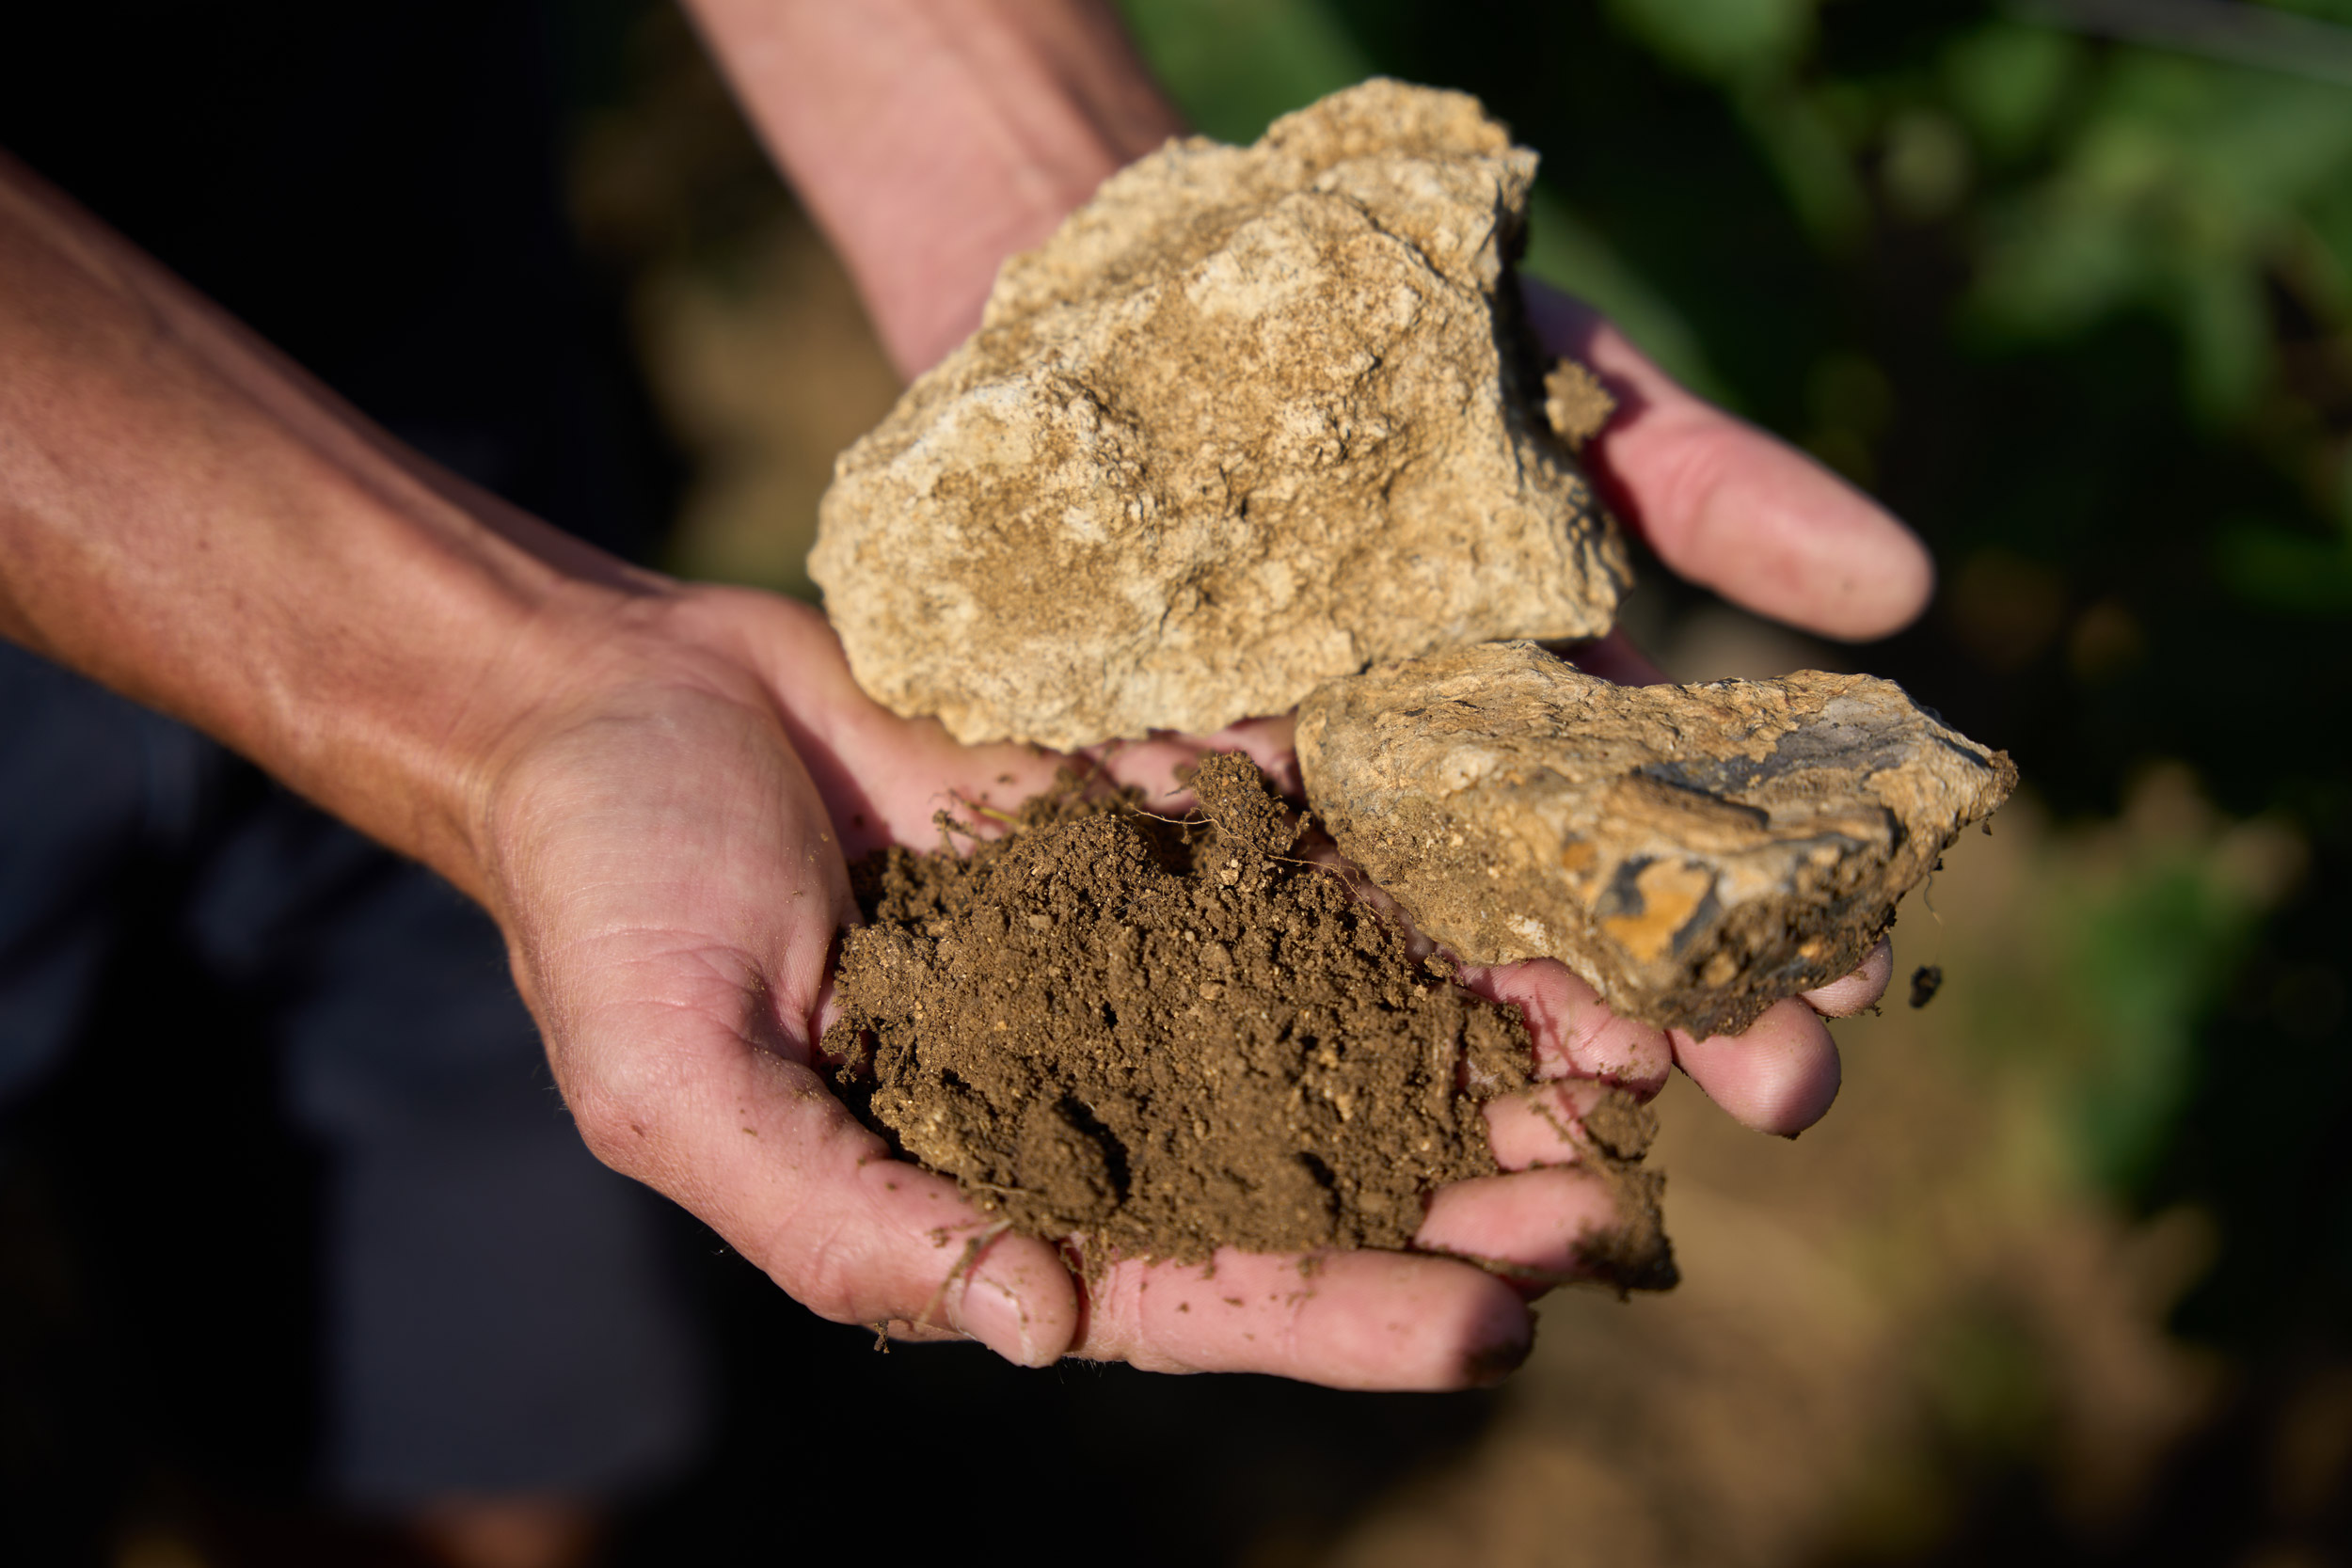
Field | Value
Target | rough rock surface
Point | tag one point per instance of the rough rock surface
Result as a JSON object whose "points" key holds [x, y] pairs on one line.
{"points": [[1697, 852], [1252, 418]]}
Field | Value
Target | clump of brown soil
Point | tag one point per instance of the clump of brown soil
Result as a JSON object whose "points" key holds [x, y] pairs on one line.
{"points": [[1164, 1038]]}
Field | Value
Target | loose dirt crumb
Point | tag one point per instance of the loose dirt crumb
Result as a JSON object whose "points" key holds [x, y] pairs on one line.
{"points": [[1577, 403]]}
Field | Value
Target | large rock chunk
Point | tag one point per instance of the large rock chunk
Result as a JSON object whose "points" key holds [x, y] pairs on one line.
{"points": [[1253, 418], [1697, 852]]}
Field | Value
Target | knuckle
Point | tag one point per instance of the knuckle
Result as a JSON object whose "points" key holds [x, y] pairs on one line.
{"points": [[839, 1269], [612, 1125], [1688, 481]]}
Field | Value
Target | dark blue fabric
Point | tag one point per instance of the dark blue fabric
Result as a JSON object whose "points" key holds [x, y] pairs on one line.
{"points": [[91, 786], [374, 190], [500, 1311]]}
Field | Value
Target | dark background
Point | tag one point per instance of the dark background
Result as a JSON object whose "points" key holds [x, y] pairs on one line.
{"points": [[2069, 288]]}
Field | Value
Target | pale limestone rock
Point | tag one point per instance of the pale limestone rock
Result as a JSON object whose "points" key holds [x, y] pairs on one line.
{"points": [[1253, 418], [1697, 852]]}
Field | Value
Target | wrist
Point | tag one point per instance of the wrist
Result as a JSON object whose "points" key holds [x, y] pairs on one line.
{"points": [[186, 519], [544, 671], [933, 141]]}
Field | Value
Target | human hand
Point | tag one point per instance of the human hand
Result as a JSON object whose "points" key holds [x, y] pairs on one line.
{"points": [[650, 786], [663, 839], [674, 879], [1721, 503]]}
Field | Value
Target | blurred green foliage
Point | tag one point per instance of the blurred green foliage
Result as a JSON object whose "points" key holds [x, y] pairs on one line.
{"points": [[2068, 284]]}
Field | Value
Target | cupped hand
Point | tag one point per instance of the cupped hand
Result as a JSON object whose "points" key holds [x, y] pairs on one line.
{"points": [[665, 843], [664, 839]]}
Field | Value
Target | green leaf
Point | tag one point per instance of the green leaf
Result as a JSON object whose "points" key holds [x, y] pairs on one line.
{"points": [[1723, 40], [2009, 83], [2226, 330], [2280, 569], [1235, 66], [1566, 252]]}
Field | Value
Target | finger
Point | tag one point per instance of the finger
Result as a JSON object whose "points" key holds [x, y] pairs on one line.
{"points": [[1549, 1225], [1574, 1035], [755, 1144], [1779, 1077], [882, 777], [1542, 1126], [1843, 998], [1727, 506], [1156, 764], [1348, 1320], [1616, 658]]}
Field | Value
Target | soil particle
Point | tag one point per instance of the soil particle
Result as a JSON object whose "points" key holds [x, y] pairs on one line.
{"points": [[1621, 1126], [1577, 403], [1636, 1254], [1167, 1037]]}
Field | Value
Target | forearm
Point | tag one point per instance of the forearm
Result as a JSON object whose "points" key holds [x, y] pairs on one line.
{"points": [[189, 519], [933, 138]]}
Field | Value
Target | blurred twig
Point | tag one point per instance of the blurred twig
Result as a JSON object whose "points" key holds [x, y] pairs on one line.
{"points": [[2217, 30]]}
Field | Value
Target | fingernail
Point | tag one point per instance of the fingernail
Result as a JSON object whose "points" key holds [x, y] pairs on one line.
{"points": [[1490, 1362], [998, 1318]]}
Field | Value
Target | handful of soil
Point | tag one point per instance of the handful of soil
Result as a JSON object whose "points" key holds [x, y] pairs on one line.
{"points": [[1167, 1037]]}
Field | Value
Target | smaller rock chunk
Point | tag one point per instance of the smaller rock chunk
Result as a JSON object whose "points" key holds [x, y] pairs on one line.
{"points": [[1696, 852]]}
